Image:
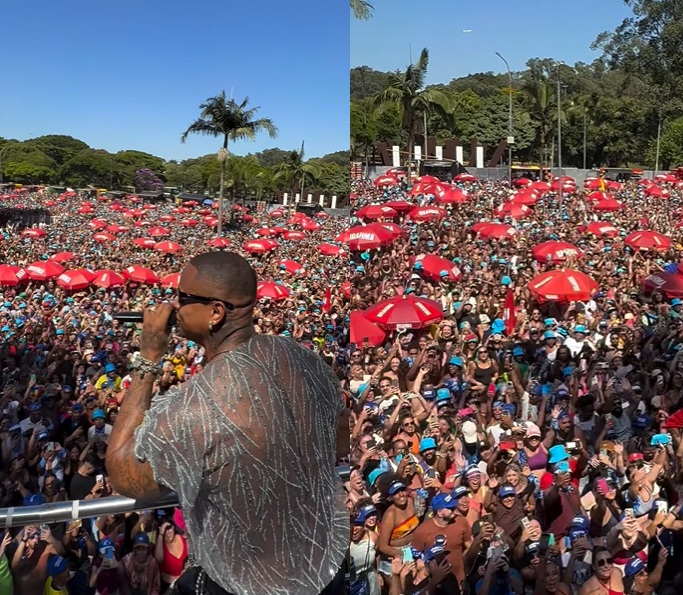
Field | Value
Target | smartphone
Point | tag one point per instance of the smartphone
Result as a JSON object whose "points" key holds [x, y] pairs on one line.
{"points": [[508, 445], [628, 512], [525, 522], [50, 446], [78, 523], [99, 478], [407, 555], [662, 506], [431, 473], [465, 412], [487, 518], [603, 486], [371, 444], [109, 553], [571, 445], [544, 544]]}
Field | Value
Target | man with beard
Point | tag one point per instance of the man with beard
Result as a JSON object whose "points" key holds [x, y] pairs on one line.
{"points": [[452, 525], [428, 454]]}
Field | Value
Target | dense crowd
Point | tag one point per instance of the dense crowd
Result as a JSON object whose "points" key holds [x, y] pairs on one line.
{"points": [[66, 365], [516, 375]]}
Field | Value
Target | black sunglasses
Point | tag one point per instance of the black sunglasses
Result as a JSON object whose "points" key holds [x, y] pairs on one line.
{"points": [[189, 298], [606, 562]]}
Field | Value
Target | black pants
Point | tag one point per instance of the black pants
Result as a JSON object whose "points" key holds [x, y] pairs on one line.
{"points": [[196, 577]]}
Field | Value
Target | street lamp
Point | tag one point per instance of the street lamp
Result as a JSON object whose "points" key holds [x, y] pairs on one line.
{"points": [[511, 140]]}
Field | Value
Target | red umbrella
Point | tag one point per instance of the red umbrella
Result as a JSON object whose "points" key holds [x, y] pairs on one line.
{"points": [[167, 218], [405, 312], [452, 196], [168, 247], [512, 210], [73, 280], [267, 232], [555, 251], [276, 213], [526, 198], [402, 206], [435, 188], [608, 206], [11, 275], [521, 182], [562, 285], [87, 273], [428, 214], [261, 246], [189, 222], [362, 329], [33, 232], [385, 181], [599, 195], [144, 242], [43, 270], [62, 256], [104, 237], [428, 180], [542, 186], [330, 249], [115, 228], [464, 177], [613, 185], [376, 212], [433, 266], [142, 223], [494, 230], [648, 240], [98, 224], [273, 291], [566, 186], [293, 235], [219, 243], [592, 184], [107, 278], [156, 232], [171, 280], [364, 237], [140, 274], [292, 267], [667, 178], [394, 228], [656, 192], [602, 229], [671, 284], [309, 225]]}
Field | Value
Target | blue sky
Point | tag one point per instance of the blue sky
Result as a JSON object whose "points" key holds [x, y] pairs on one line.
{"points": [[519, 30], [131, 74]]}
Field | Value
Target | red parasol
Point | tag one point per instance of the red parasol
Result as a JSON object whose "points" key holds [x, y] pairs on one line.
{"points": [[156, 232], [43, 270], [376, 212], [73, 280], [33, 232], [219, 242], [170, 281], [592, 184], [602, 229], [62, 256], [513, 210], [521, 182], [98, 224], [167, 218], [267, 232], [270, 290], [362, 329], [292, 267], [365, 237], [608, 206], [648, 240], [107, 278], [330, 249], [404, 312], [260, 246], [656, 192], [309, 225], [562, 285], [542, 186], [464, 177], [452, 196], [168, 247], [189, 222], [670, 284], [145, 242], [422, 214], [494, 230], [293, 235], [115, 228], [555, 251], [402, 206], [104, 237], [385, 181], [140, 274], [433, 266], [11, 275], [599, 195]]}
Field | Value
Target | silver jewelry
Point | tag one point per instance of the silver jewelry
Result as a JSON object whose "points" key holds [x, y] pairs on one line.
{"points": [[144, 366]]}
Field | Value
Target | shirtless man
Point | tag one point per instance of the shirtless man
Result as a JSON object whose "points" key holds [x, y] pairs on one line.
{"points": [[29, 562]]}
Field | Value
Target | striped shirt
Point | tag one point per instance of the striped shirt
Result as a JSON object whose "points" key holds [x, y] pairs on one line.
{"points": [[249, 446]]}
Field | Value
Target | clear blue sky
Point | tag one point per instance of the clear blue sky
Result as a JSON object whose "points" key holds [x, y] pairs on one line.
{"points": [[519, 30], [131, 74]]}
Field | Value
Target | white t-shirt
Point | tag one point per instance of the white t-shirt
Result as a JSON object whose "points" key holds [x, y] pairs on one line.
{"points": [[92, 430]]}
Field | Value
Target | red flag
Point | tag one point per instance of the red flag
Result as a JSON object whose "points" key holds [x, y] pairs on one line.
{"points": [[327, 300], [675, 421], [509, 314]]}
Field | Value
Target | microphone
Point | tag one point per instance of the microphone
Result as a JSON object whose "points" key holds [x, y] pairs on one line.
{"points": [[138, 316]]}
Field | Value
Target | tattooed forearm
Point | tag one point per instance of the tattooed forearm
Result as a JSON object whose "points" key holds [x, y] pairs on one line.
{"points": [[128, 476]]}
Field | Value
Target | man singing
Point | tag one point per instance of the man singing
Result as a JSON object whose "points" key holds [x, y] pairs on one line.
{"points": [[249, 445]]}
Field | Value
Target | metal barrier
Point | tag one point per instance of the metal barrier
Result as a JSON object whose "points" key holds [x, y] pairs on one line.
{"points": [[57, 512]]}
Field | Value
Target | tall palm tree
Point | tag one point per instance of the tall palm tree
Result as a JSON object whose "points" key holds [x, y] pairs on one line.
{"points": [[233, 121], [362, 9], [406, 91], [295, 172], [542, 107]]}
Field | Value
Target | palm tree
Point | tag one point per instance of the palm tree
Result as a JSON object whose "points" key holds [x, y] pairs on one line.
{"points": [[295, 171], [232, 121], [362, 9], [542, 107], [405, 90]]}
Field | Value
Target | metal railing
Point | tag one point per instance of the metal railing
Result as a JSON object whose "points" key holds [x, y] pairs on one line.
{"points": [[57, 512]]}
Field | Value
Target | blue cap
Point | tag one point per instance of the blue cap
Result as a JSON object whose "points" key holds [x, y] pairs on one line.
{"points": [[429, 394], [562, 467], [442, 394], [581, 523], [506, 280], [557, 453], [77, 407], [417, 265], [105, 543], [395, 487], [676, 302], [643, 421], [442, 500], [34, 500], [517, 351], [60, 331], [366, 511], [98, 414], [374, 474], [56, 565], [549, 321], [110, 368], [455, 361], [43, 436], [141, 539], [579, 328], [459, 492], [549, 335], [427, 444], [67, 388], [432, 552], [506, 490], [35, 407], [634, 566]]}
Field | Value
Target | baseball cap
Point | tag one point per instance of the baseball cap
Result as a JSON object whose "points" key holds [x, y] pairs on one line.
{"points": [[427, 444], [374, 474], [395, 487], [442, 500], [562, 467], [634, 566], [517, 351], [455, 361], [459, 492], [141, 539], [34, 500], [98, 414], [110, 368], [532, 430], [579, 328], [505, 491], [580, 523], [56, 565], [366, 511]]}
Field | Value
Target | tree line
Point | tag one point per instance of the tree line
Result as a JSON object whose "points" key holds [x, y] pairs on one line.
{"points": [[611, 109]]}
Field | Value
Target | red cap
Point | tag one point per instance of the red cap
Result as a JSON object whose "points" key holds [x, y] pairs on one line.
{"points": [[636, 456]]}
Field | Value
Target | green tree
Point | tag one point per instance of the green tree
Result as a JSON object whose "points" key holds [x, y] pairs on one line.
{"points": [[296, 173], [542, 108], [406, 91], [232, 121], [132, 161], [362, 9], [671, 146], [92, 167], [59, 147]]}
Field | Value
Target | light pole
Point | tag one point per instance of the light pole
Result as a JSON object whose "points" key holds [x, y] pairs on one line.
{"points": [[510, 138]]}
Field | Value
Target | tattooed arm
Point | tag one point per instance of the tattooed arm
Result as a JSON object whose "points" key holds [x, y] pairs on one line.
{"points": [[128, 475]]}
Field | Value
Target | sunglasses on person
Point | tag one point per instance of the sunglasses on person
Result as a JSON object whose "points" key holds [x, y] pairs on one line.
{"points": [[185, 298], [408, 423], [605, 562]]}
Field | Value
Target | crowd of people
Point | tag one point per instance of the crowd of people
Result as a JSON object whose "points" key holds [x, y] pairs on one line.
{"points": [[516, 387], [66, 364]]}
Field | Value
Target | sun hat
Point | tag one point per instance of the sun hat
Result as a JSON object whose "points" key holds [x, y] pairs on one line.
{"points": [[557, 453], [427, 444]]}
